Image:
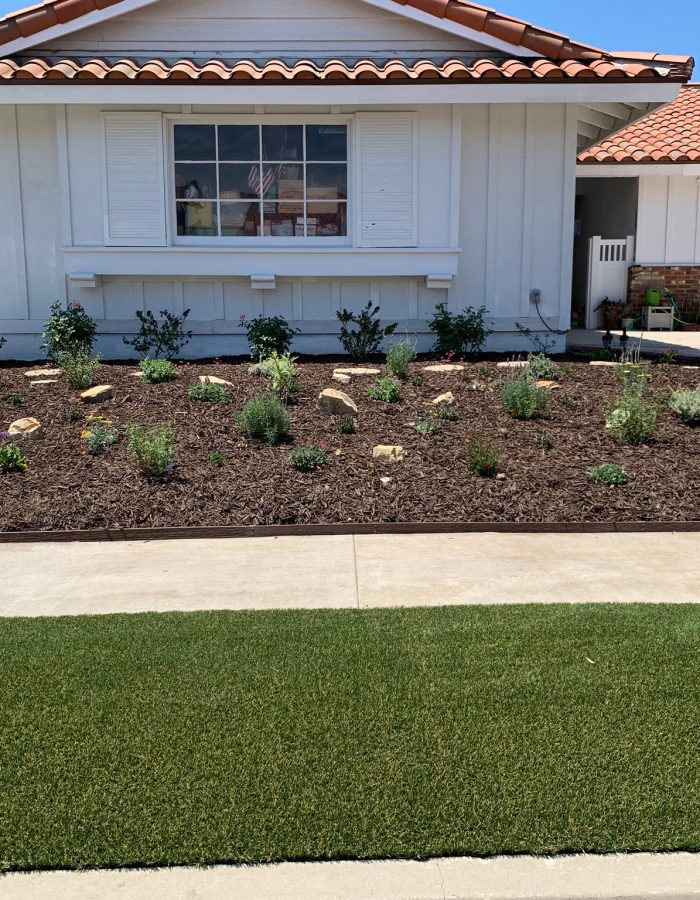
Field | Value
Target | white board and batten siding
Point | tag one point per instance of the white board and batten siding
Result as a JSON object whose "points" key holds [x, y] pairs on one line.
{"points": [[668, 222]]}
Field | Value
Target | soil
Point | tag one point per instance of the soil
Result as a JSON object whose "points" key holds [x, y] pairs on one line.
{"points": [[65, 487]]}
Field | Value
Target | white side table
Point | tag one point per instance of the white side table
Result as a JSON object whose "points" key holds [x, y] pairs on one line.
{"points": [[658, 318]]}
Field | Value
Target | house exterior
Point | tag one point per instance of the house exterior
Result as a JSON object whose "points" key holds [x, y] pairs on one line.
{"points": [[245, 157], [642, 186]]}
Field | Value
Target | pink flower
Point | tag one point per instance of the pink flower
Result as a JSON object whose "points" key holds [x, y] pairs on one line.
{"points": [[76, 305]]}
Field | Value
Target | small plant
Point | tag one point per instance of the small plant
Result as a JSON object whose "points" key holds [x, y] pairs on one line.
{"points": [[156, 371], [206, 392], [541, 344], [15, 399], [399, 357], [456, 334], [665, 359], [12, 459], [427, 427], [347, 425], [307, 459], [99, 434], [482, 459], [566, 369], [545, 442], [523, 399], [447, 413], [3, 341], [268, 335], [416, 381], [631, 419], [385, 389], [540, 367], [164, 338], [218, 459], [608, 473], [686, 405], [282, 372], [604, 355], [566, 400], [153, 448], [75, 414], [366, 339], [67, 330], [634, 376], [78, 366], [265, 417]]}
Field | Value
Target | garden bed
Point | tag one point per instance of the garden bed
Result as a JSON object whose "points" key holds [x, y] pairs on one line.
{"points": [[65, 487]]}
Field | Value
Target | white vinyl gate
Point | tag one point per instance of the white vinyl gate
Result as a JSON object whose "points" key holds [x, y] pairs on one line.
{"points": [[608, 261]]}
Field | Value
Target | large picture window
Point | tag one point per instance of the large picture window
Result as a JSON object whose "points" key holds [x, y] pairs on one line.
{"points": [[261, 181]]}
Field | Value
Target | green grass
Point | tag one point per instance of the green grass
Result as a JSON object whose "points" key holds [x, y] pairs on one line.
{"points": [[197, 738]]}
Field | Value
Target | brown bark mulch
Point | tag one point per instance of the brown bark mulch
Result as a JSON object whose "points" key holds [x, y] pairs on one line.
{"points": [[65, 487]]}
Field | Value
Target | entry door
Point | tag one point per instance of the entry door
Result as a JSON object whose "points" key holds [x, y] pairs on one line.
{"points": [[608, 262]]}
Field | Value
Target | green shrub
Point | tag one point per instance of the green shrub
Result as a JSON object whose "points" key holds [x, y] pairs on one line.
{"points": [[447, 413], [540, 367], [686, 405], [634, 375], [282, 372], [265, 417], [631, 419], [218, 459], [157, 370], [347, 424], [482, 459], [307, 459], [268, 335], [153, 448], [15, 399], [78, 366], [75, 414], [67, 330], [427, 427], [608, 473], [165, 338], [206, 392], [366, 339], [545, 442], [566, 369], [385, 389], [417, 380], [12, 459], [99, 435], [456, 334], [399, 357], [523, 399], [566, 400]]}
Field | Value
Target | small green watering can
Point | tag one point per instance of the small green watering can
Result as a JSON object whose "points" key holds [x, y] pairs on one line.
{"points": [[652, 297]]}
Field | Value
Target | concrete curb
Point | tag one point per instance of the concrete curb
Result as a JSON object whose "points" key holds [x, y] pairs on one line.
{"points": [[633, 877]]}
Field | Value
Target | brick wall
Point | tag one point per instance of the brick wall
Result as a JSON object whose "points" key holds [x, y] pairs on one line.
{"points": [[683, 281]]}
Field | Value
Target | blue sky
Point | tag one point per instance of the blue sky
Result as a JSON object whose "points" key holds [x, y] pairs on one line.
{"points": [[671, 26]]}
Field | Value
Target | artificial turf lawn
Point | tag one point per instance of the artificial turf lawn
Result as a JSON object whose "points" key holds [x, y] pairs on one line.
{"points": [[194, 738]]}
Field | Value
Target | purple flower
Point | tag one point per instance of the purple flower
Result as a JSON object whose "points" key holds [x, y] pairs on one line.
{"points": [[5, 436]]}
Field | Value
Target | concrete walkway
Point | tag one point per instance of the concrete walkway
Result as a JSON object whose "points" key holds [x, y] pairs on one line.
{"points": [[347, 572], [684, 344], [643, 876]]}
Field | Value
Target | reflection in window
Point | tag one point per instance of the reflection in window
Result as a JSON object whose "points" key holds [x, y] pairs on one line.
{"points": [[273, 181]]}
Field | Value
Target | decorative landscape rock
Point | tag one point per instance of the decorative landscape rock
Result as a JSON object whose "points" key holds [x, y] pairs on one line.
{"points": [[603, 364], [335, 403], [512, 364], [358, 371], [343, 379], [446, 368], [42, 373], [444, 399], [548, 385], [45, 381], [97, 394], [389, 453], [214, 379], [29, 429]]}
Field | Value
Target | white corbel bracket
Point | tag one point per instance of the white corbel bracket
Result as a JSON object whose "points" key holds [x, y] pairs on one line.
{"points": [[263, 282], [85, 279], [438, 282]]}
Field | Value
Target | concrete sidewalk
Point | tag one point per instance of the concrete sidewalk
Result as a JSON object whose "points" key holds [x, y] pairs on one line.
{"points": [[347, 572], [642, 876]]}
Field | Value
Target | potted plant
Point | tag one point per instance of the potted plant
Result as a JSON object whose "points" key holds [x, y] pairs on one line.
{"points": [[611, 312]]}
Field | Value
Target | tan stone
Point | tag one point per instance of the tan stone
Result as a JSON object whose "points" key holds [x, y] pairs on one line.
{"points": [[602, 364], [27, 429], [45, 381], [137, 375], [335, 403], [388, 452], [512, 364], [444, 399], [42, 373], [214, 379], [97, 394], [445, 368], [343, 379], [359, 371], [548, 385]]}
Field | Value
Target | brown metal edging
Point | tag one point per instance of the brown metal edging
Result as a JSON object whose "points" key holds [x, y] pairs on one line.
{"points": [[249, 531]]}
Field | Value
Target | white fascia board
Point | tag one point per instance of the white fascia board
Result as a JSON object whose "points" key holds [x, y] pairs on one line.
{"points": [[451, 27], [636, 170], [58, 31], [352, 94]]}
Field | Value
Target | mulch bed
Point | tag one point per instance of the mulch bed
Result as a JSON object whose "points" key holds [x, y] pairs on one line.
{"points": [[65, 487]]}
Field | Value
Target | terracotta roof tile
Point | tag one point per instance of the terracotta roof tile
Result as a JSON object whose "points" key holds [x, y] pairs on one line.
{"points": [[669, 135]]}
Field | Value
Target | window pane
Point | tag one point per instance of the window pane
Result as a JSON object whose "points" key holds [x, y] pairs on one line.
{"points": [[282, 220], [326, 142], [197, 219], [195, 142], [327, 181], [240, 219], [195, 181], [239, 181], [239, 142], [283, 142], [327, 220]]}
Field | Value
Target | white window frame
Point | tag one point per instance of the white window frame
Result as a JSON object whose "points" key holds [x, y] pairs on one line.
{"points": [[259, 242]]}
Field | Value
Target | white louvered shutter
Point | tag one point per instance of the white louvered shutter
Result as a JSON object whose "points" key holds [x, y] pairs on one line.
{"points": [[134, 182], [387, 180]]}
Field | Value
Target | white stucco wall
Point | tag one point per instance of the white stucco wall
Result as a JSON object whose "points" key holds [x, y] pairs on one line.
{"points": [[668, 224]]}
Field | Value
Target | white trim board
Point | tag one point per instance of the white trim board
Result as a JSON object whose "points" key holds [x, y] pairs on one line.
{"points": [[636, 170]]}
